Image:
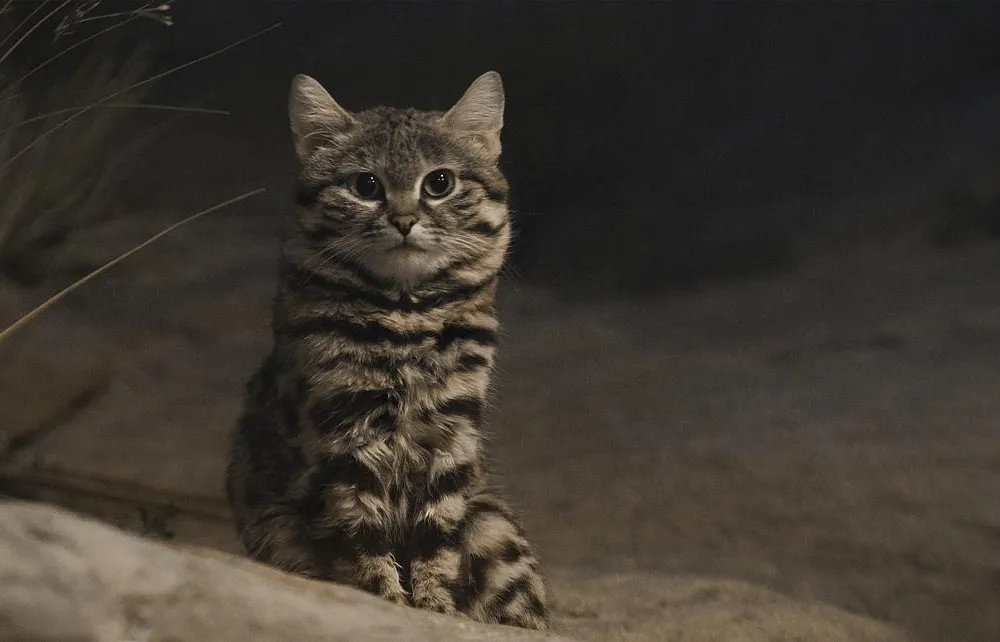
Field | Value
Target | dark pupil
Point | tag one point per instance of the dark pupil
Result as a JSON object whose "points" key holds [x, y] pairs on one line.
{"points": [[367, 185], [438, 183]]}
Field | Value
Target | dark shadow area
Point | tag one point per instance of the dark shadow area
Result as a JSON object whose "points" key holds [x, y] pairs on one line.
{"points": [[648, 144]]}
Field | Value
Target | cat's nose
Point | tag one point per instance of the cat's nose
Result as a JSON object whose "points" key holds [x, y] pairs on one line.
{"points": [[404, 223]]}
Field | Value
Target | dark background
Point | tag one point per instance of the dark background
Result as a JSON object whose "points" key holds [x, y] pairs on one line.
{"points": [[648, 144]]}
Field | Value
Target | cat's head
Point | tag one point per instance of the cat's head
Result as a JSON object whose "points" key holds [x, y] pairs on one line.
{"points": [[410, 196]]}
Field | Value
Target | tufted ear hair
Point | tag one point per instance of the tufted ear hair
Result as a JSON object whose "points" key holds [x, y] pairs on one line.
{"points": [[478, 114], [315, 116]]}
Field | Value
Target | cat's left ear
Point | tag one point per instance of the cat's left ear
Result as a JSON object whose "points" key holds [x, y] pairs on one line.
{"points": [[478, 114]]}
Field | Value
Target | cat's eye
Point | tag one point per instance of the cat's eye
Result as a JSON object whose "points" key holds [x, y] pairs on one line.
{"points": [[366, 185], [439, 183]]}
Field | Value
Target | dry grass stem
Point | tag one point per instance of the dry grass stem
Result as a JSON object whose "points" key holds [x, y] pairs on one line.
{"points": [[28, 317], [179, 108], [25, 21], [83, 110], [31, 72], [32, 29]]}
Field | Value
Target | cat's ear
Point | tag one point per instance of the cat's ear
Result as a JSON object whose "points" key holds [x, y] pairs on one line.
{"points": [[479, 112], [315, 116]]}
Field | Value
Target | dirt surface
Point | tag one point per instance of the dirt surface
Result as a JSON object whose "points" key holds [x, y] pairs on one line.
{"points": [[831, 434]]}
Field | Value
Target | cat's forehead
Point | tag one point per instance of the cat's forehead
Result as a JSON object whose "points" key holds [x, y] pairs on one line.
{"points": [[403, 137], [396, 117]]}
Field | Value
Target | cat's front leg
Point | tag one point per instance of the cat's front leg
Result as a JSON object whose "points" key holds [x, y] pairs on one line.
{"points": [[346, 506], [436, 563], [503, 582], [379, 574], [362, 557], [436, 555]]}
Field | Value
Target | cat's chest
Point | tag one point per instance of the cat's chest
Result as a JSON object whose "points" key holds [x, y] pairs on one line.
{"points": [[403, 468], [384, 420]]}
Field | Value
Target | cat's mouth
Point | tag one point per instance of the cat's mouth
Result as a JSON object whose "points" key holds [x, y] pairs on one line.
{"points": [[406, 249], [407, 246]]}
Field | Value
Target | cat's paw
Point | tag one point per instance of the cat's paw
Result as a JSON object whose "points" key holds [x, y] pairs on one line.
{"points": [[436, 598], [395, 596]]}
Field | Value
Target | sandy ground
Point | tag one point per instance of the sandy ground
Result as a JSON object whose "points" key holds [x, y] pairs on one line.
{"points": [[831, 434]]}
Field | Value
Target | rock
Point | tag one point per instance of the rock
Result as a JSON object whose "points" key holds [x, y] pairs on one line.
{"points": [[64, 577], [655, 608]]}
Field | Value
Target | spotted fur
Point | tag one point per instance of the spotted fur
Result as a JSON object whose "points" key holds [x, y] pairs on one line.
{"points": [[359, 456]]}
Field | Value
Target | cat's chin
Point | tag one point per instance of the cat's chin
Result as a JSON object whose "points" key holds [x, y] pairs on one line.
{"points": [[406, 266]]}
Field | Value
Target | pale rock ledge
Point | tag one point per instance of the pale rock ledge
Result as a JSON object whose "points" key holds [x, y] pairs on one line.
{"points": [[68, 578]]}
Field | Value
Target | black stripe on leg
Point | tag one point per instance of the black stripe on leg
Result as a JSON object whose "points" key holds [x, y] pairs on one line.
{"points": [[370, 540], [452, 333], [485, 506], [537, 608], [343, 470], [513, 551], [451, 482], [336, 545], [471, 361], [502, 598], [478, 565], [351, 546], [375, 584], [429, 538], [468, 407]]}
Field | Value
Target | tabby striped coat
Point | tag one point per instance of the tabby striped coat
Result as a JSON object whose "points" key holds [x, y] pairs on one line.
{"points": [[359, 457]]}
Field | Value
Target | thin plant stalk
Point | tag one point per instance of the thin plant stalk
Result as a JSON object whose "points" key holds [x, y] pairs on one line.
{"points": [[59, 54], [26, 20], [115, 94], [38, 24], [105, 16], [181, 108], [55, 298]]}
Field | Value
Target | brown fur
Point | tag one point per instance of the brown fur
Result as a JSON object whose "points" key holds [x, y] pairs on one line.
{"points": [[359, 456]]}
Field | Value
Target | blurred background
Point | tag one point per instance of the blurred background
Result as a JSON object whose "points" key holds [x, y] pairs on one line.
{"points": [[649, 145], [654, 144], [753, 314]]}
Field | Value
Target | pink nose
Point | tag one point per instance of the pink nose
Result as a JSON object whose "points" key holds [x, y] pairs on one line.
{"points": [[404, 223]]}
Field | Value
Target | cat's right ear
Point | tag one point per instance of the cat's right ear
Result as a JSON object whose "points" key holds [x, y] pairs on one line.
{"points": [[315, 116]]}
